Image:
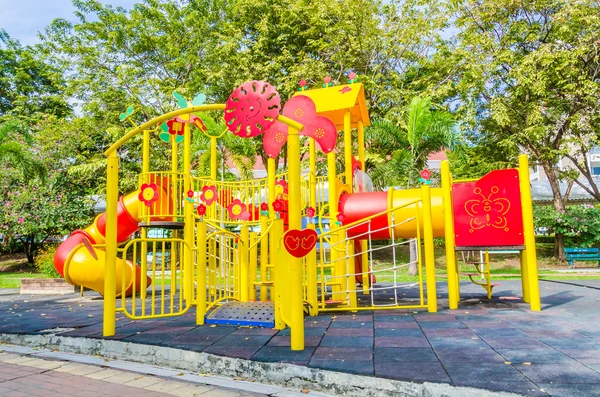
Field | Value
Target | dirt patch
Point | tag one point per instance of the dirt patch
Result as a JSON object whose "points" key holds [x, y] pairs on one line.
{"points": [[14, 263]]}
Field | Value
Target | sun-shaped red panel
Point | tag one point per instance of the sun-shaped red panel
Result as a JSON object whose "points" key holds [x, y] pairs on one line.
{"points": [[252, 108]]}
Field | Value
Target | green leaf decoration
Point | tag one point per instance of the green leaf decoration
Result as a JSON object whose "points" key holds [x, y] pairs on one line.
{"points": [[179, 139], [165, 137], [164, 127], [127, 113], [180, 100], [198, 99]]}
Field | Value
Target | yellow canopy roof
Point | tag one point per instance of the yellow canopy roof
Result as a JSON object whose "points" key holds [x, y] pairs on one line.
{"points": [[332, 102]]}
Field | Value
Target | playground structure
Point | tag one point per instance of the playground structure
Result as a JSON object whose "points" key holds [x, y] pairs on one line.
{"points": [[237, 251]]}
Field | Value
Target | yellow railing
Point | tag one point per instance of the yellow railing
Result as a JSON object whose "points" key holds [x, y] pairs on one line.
{"points": [[159, 289], [338, 253], [169, 205]]}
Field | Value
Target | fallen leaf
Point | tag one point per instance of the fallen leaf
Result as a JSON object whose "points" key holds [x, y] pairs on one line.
{"points": [[507, 362], [304, 391], [526, 363], [238, 378]]}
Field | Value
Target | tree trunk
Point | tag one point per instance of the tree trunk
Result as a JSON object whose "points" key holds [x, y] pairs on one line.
{"points": [[29, 248], [559, 206]]}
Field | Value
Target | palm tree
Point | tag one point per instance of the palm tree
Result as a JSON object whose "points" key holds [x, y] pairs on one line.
{"points": [[400, 150], [14, 151]]}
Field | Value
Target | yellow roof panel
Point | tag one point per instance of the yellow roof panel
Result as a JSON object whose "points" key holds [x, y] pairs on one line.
{"points": [[333, 102]]}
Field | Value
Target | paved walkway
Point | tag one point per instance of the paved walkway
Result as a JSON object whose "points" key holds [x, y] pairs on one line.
{"points": [[496, 345], [24, 376]]}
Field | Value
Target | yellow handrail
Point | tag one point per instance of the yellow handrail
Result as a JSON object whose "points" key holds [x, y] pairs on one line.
{"points": [[220, 229], [363, 220], [160, 119], [263, 234]]}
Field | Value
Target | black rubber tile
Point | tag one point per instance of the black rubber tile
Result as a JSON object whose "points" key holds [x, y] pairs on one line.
{"points": [[347, 366], [283, 354], [413, 372], [405, 354], [469, 355]]}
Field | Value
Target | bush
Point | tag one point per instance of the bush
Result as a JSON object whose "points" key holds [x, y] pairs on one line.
{"points": [[44, 261], [580, 224]]}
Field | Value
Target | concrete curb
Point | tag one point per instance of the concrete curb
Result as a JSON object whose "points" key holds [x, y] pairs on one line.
{"points": [[283, 375]]}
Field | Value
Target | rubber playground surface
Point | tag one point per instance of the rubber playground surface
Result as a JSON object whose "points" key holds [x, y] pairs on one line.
{"points": [[497, 345]]}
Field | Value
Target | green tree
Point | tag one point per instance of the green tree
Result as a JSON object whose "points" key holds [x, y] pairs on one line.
{"points": [[404, 147], [14, 151], [115, 58], [529, 74], [32, 212], [28, 84]]}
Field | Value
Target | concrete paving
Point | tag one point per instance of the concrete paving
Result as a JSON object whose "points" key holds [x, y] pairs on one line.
{"points": [[497, 345]]}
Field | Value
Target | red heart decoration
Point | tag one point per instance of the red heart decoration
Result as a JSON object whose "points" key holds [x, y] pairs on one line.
{"points": [[300, 242]]}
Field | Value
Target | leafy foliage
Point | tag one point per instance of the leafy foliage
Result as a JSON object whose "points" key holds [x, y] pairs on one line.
{"points": [[404, 148], [580, 224], [32, 212]]}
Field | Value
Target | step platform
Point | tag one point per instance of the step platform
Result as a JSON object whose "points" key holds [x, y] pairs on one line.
{"points": [[250, 314]]}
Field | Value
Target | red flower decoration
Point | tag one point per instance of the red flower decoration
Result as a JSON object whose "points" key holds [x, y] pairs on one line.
{"points": [[302, 83], [327, 79], [303, 110], [264, 207], [278, 205], [340, 217], [426, 174], [209, 194], [190, 193], [310, 212], [252, 109], [148, 193], [236, 209], [176, 126], [201, 209], [281, 188], [352, 76]]}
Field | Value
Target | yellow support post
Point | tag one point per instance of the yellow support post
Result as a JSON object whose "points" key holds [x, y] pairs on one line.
{"points": [[529, 234], [428, 246], [333, 212], [271, 170], [201, 273], [276, 251], [348, 149], [449, 235], [524, 276], [311, 260], [244, 265], [366, 279], [252, 267], [295, 222], [188, 213], [144, 231], [265, 259], [213, 158], [110, 268]]}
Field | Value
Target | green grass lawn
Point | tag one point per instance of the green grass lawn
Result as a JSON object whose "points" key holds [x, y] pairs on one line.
{"points": [[13, 280]]}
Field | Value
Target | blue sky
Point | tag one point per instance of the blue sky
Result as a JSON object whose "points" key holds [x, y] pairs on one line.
{"points": [[23, 19]]}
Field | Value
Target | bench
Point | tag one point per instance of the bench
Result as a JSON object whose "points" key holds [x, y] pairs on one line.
{"points": [[582, 254]]}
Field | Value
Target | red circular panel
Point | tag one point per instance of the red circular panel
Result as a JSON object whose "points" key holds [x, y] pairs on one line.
{"points": [[252, 108]]}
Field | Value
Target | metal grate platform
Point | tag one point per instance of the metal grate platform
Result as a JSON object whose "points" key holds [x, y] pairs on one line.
{"points": [[256, 314]]}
